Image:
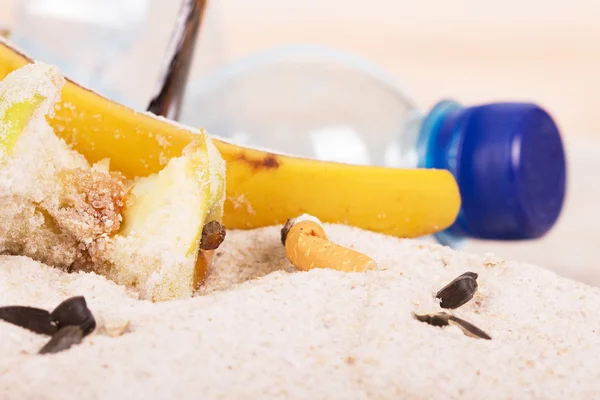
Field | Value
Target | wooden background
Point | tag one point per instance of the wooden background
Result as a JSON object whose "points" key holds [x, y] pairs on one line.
{"points": [[546, 51]]}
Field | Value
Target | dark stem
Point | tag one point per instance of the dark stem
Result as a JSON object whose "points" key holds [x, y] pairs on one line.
{"points": [[167, 100]]}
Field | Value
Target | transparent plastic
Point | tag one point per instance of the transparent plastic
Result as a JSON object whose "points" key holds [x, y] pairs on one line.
{"points": [[308, 101], [91, 41], [312, 102]]}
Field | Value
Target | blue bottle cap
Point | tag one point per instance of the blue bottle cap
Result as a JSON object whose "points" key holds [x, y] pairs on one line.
{"points": [[509, 163]]}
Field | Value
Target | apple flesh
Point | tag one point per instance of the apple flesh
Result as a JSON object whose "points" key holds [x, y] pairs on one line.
{"points": [[158, 246]]}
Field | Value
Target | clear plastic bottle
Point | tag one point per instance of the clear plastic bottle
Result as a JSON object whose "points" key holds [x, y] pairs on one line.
{"points": [[507, 158], [89, 40]]}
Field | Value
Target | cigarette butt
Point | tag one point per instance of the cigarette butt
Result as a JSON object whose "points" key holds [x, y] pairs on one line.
{"points": [[307, 247]]}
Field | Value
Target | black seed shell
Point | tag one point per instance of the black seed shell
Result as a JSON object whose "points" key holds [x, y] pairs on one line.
{"points": [[74, 312], [34, 319], [63, 339], [444, 319], [459, 291], [468, 328], [439, 319]]}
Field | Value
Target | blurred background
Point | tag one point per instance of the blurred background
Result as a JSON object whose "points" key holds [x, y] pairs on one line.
{"points": [[471, 50]]}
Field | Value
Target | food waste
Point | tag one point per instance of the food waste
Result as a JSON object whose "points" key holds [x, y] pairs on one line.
{"points": [[262, 188], [307, 247], [87, 184], [56, 207], [67, 324]]}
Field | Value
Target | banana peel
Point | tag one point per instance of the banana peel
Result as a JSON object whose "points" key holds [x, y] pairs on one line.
{"points": [[263, 188]]}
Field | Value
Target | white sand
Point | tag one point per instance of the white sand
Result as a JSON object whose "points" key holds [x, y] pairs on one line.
{"points": [[260, 330]]}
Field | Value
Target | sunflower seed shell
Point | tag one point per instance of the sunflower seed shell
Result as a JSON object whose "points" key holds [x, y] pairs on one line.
{"points": [[444, 319], [74, 312], [63, 339], [459, 291], [34, 319]]}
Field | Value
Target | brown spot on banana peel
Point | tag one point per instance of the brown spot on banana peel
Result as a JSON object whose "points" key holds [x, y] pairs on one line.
{"points": [[266, 162]]}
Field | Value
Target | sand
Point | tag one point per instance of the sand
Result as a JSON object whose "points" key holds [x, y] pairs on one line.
{"points": [[259, 329]]}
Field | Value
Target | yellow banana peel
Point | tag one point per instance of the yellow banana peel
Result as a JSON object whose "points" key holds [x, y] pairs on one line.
{"points": [[263, 188]]}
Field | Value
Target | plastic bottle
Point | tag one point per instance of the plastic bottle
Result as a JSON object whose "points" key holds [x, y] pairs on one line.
{"points": [[507, 158], [89, 40]]}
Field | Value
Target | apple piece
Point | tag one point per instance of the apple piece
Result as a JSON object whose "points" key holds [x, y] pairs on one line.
{"points": [[158, 247], [54, 206], [13, 122], [58, 209], [30, 156], [27, 97]]}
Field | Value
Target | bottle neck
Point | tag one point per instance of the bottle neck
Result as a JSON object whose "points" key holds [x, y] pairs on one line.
{"points": [[437, 147]]}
